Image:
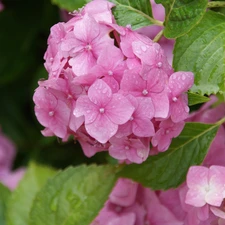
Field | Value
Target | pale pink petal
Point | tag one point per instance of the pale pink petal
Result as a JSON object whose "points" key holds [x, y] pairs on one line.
{"points": [[86, 29], [100, 10], [100, 93], [118, 152], [84, 107], [216, 193], [179, 109], [180, 82], [133, 83], [137, 151], [110, 57], [113, 84], [197, 182], [102, 129], [82, 63], [156, 80], [203, 212], [161, 104], [75, 122], [145, 108], [119, 110], [71, 44], [12, 178], [143, 127], [217, 212], [128, 218], [124, 192]]}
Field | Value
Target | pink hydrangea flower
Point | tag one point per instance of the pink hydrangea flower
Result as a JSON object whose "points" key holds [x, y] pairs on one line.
{"points": [[133, 149], [84, 46], [1, 6], [206, 186], [7, 154], [103, 111], [167, 130], [51, 111], [130, 203], [11, 178], [109, 87]]}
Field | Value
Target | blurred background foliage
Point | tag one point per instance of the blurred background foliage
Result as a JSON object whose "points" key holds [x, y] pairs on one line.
{"points": [[24, 29]]}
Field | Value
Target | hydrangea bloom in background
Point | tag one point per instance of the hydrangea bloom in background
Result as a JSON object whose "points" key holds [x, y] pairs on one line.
{"points": [[111, 96], [1, 6], [7, 154]]}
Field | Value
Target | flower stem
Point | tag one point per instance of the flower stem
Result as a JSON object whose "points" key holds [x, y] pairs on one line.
{"points": [[220, 122], [158, 36], [216, 4]]}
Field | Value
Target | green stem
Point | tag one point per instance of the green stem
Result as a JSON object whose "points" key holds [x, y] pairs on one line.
{"points": [[216, 4], [158, 36], [220, 122]]}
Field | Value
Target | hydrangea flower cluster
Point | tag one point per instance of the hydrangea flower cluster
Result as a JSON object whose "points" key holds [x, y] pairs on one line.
{"points": [[130, 203], [198, 201], [110, 87], [7, 154]]}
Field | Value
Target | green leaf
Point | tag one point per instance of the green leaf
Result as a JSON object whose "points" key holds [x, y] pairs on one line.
{"points": [[4, 196], [182, 15], [202, 51], [194, 99], [70, 5], [22, 198], [168, 169], [137, 13], [74, 196]]}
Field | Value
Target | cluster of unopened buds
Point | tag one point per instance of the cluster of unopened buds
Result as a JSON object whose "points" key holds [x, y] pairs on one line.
{"points": [[110, 87]]}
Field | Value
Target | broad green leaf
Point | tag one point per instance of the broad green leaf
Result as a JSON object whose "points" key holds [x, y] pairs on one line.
{"points": [[202, 51], [137, 13], [182, 16], [70, 5], [74, 196], [4, 196], [194, 99], [21, 200], [168, 169]]}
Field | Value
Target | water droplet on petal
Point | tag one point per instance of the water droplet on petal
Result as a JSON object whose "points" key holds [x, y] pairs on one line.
{"points": [[101, 110], [143, 48], [138, 52], [141, 153], [51, 113], [174, 99], [128, 26], [110, 72], [127, 147], [145, 92], [159, 64]]}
